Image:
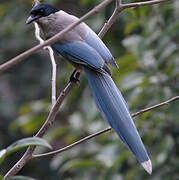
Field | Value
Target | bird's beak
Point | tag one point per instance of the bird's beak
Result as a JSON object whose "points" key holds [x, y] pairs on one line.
{"points": [[32, 18]]}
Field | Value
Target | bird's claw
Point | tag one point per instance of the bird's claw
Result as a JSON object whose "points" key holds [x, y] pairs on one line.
{"points": [[75, 77]]}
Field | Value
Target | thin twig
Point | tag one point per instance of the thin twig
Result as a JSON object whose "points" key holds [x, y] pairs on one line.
{"points": [[54, 111], [54, 72], [118, 2], [73, 144], [52, 40], [52, 58], [120, 7], [28, 154], [36, 2], [147, 3], [105, 130], [110, 22], [156, 106]]}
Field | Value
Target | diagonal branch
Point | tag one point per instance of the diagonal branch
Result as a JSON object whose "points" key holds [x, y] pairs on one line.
{"points": [[120, 7], [73, 144], [147, 3], [52, 40], [156, 106], [52, 58], [95, 10], [36, 2], [105, 130], [51, 117], [112, 19]]}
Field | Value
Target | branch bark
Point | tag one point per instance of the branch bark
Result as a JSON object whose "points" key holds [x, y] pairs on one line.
{"points": [[147, 3], [95, 10], [52, 58], [120, 7], [52, 40], [105, 130], [28, 154], [36, 2]]}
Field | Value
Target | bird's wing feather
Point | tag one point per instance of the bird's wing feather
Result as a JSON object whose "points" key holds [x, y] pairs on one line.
{"points": [[80, 53], [82, 32], [94, 41]]}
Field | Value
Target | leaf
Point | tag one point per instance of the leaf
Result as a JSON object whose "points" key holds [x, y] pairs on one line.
{"points": [[32, 141], [2, 156], [20, 178], [1, 177]]}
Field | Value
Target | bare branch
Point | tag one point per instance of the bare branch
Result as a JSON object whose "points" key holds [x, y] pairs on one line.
{"points": [[54, 72], [147, 3], [105, 130], [156, 106], [118, 2], [120, 7], [54, 110], [95, 10], [28, 154], [36, 2], [109, 23], [52, 58], [52, 40], [73, 144]]}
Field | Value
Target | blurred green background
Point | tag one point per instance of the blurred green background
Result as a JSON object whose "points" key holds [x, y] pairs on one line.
{"points": [[145, 43]]}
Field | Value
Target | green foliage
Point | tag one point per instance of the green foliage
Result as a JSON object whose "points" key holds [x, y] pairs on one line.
{"points": [[20, 178], [144, 42], [17, 178], [23, 143]]}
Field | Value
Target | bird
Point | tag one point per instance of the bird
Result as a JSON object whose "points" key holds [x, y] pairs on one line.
{"points": [[86, 51]]}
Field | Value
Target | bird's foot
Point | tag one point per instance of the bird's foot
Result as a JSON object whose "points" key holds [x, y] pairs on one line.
{"points": [[75, 77]]}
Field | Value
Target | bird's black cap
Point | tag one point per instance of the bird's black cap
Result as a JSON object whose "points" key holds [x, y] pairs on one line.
{"points": [[41, 10]]}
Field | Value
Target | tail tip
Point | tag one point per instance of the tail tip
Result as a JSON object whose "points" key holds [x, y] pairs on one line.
{"points": [[147, 165]]}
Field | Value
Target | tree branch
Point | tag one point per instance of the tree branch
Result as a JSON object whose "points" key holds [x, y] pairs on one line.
{"points": [[52, 58], [73, 144], [112, 19], [156, 106], [120, 7], [52, 40], [28, 154], [36, 2], [147, 3], [105, 130]]}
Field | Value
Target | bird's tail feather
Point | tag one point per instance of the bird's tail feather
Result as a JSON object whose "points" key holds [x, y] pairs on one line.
{"points": [[114, 109]]}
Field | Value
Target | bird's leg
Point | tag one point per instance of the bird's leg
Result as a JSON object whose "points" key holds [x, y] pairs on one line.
{"points": [[75, 76]]}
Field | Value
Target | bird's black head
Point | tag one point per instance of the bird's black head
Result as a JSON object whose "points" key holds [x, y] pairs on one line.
{"points": [[40, 10]]}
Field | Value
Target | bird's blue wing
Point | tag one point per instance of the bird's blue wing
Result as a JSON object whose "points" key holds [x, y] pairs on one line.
{"points": [[95, 42], [80, 53]]}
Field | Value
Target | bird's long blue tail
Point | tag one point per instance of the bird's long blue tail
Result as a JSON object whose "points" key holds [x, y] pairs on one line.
{"points": [[114, 109]]}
